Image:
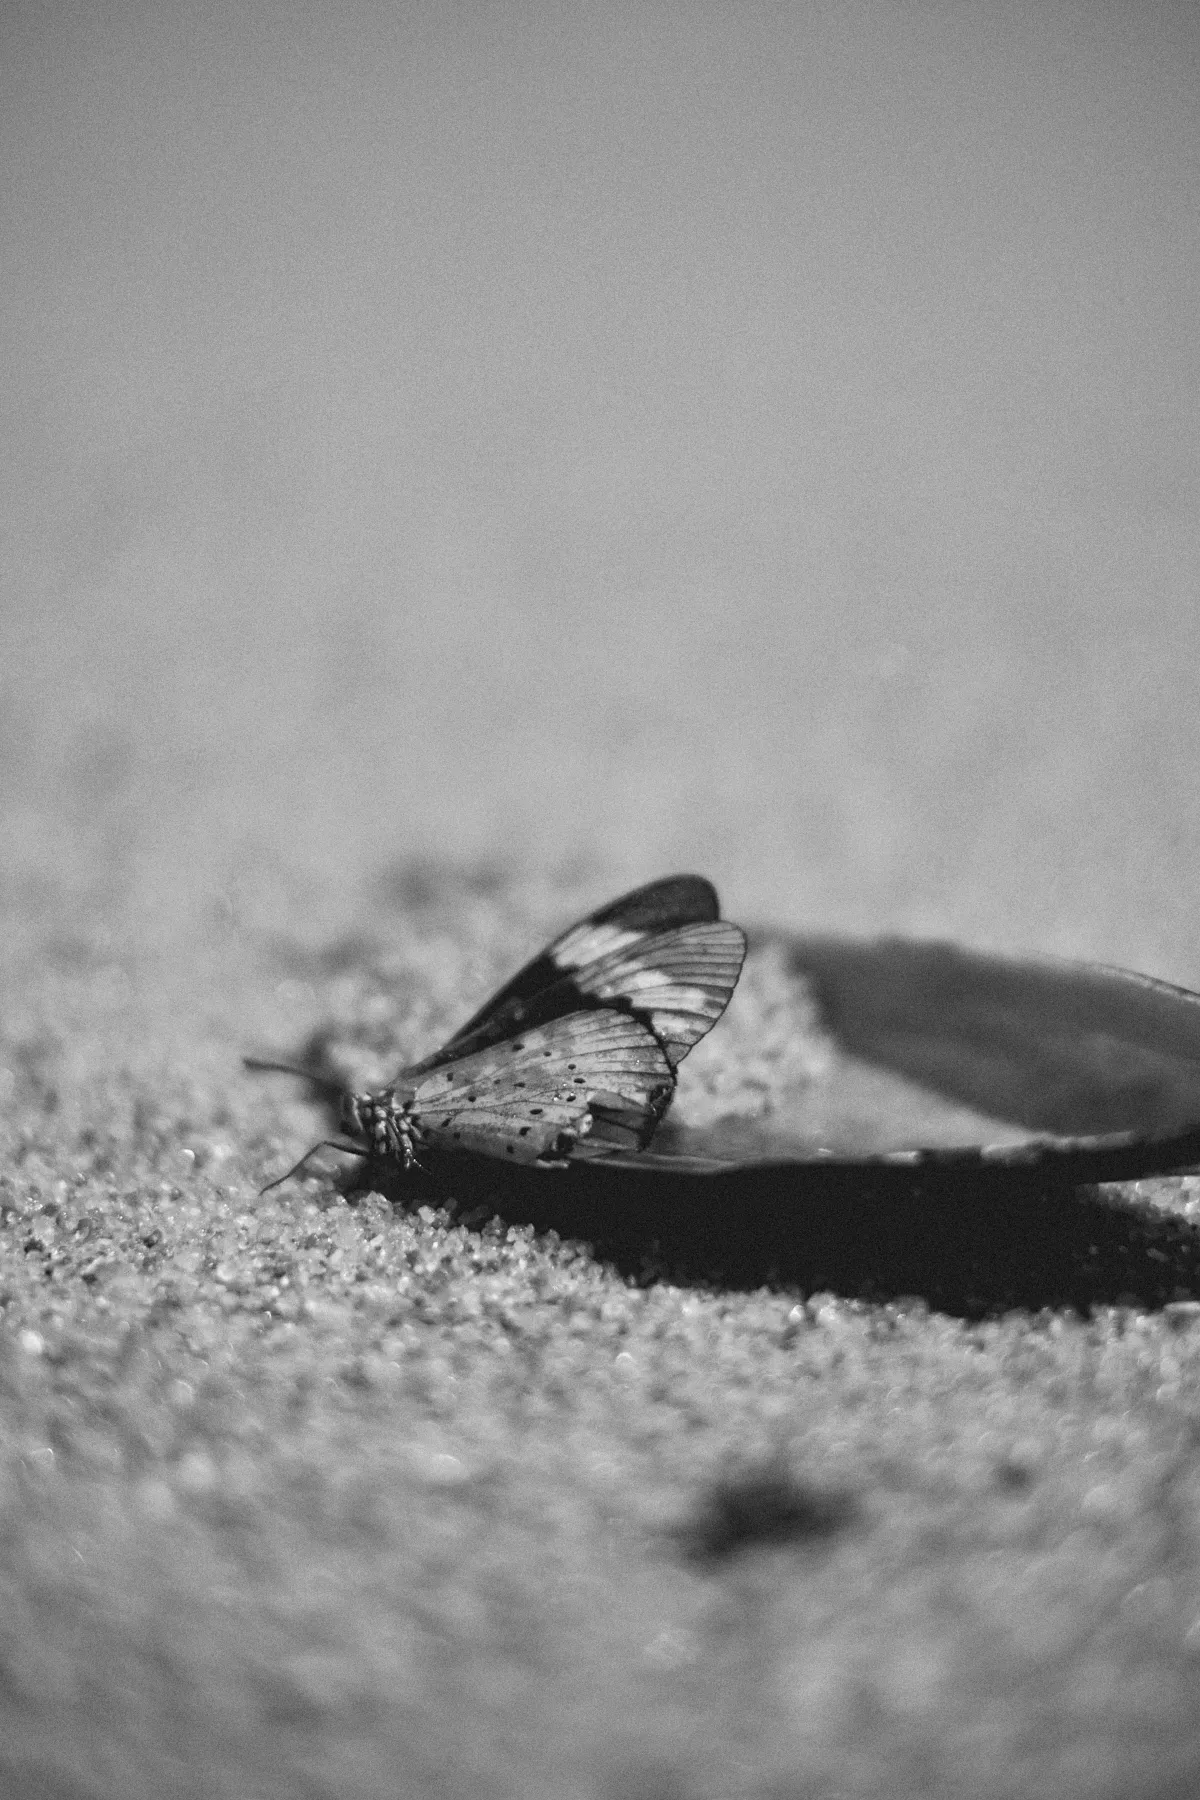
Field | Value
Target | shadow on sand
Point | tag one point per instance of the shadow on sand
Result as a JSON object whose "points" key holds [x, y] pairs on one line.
{"points": [[970, 1243]]}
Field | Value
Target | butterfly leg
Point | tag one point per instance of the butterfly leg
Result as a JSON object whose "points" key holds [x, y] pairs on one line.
{"points": [[330, 1143], [406, 1143]]}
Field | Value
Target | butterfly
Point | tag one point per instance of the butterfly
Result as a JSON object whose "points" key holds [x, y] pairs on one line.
{"points": [[575, 1057]]}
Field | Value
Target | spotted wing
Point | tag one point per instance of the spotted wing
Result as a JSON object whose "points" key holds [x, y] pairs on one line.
{"points": [[659, 954], [593, 1082]]}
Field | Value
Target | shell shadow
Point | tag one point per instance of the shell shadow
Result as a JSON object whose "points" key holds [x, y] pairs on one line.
{"points": [[968, 1243]]}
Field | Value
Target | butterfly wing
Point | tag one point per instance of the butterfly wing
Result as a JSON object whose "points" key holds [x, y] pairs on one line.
{"points": [[659, 954], [591, 1082], [677, 984]]}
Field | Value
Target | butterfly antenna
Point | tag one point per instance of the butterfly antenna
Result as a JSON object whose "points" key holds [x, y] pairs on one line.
{"points": [[333, 1090], [325, 1143]]}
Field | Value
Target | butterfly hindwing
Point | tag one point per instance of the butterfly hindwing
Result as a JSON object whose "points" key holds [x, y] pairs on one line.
{"points": [[660, 954], [589, 1081]]}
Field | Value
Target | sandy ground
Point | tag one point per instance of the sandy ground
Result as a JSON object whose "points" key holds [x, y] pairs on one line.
{"points": [[457, 465], [310, 1497]]}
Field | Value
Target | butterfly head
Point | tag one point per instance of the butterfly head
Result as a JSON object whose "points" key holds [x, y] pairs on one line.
{"points": [[386, 1122]]}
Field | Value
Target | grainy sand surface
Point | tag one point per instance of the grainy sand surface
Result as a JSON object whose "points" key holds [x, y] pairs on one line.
{"points": [[302, 1496], [456, 465]]}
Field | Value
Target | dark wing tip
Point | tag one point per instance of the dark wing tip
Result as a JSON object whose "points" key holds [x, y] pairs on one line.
{"points": [[669, 901]]}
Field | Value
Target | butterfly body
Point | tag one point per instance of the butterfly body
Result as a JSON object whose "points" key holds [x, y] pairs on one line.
{"points": [[576, 1055], [387, 1124]]}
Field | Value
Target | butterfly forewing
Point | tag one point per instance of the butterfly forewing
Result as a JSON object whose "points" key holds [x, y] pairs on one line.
{"points": [[660, 954], [678, 983], [538, 1095]]}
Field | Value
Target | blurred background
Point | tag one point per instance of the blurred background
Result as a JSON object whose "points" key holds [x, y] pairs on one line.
{"points": [[757, 438]]}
